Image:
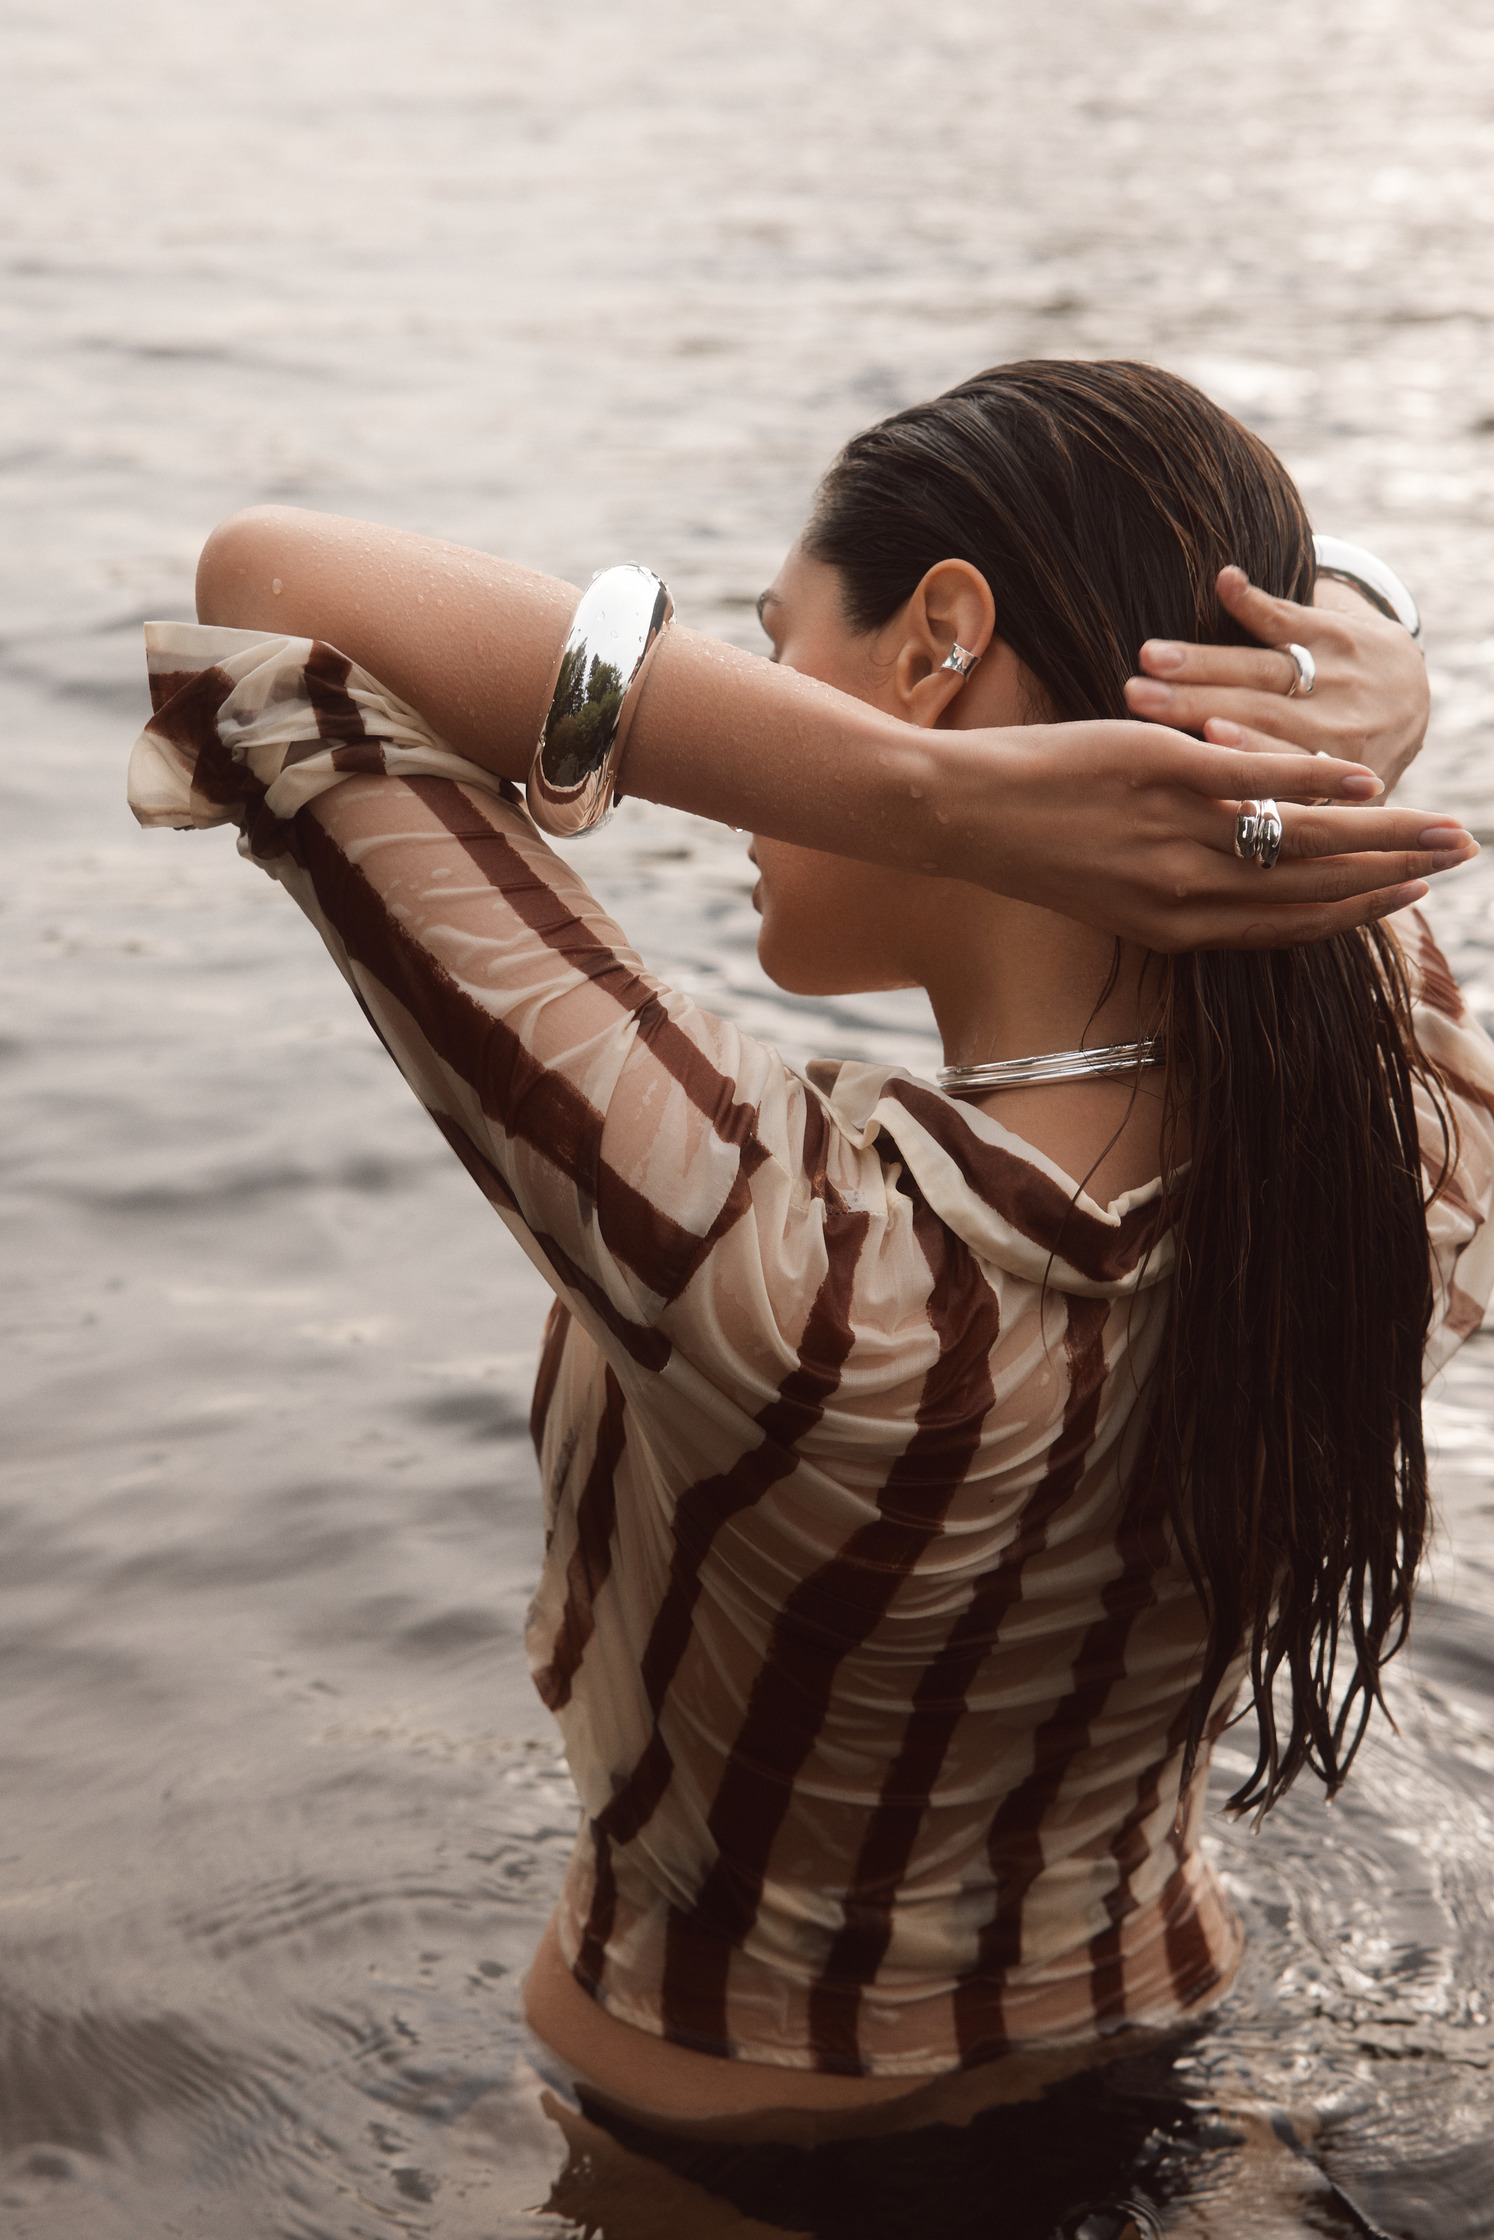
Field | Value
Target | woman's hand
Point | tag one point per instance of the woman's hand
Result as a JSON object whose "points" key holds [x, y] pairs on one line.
{"points": [[1370, 701], [1133, 829]]}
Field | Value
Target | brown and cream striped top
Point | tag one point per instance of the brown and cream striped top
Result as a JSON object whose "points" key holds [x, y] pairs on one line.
{"points": [[872, 1668]]}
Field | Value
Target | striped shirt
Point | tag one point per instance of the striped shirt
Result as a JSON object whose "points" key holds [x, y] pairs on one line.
{"points": [[872, 1661]]}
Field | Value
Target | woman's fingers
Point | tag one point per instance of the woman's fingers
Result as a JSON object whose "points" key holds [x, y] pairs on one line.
{"points": [[1293, 720], [1328, 879], [1421, 842], [1172, 665], [1438, 842], [1176, 670], [1229, 769], [1242, 925], [1317, 864], [1132, 828], [1276, 622], [1337, 869], [1369, 696], [1332, 854]]}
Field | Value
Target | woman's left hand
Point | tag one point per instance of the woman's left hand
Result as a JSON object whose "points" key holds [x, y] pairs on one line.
{"points": [[1370, 701]]}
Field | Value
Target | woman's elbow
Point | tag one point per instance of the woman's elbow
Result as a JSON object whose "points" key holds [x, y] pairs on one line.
{"points": [[243, 566]]}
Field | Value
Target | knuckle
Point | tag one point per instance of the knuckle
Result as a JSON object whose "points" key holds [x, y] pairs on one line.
{"points": [[1311, 837], [1351, 740], [1333, 884], [1182, 884], [1334, 632]]}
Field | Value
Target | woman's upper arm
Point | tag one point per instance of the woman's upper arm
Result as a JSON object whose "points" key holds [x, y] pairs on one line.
{"points": [[643, 1145], [469, 640]]}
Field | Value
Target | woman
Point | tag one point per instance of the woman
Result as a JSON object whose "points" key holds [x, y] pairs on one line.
{"points": [[924, 1471]]}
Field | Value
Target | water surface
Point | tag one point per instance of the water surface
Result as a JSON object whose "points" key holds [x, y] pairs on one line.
{"points": [[578, 282]]}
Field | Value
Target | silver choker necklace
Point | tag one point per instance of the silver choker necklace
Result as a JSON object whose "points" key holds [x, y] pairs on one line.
{"points": [[1057, 1065]]}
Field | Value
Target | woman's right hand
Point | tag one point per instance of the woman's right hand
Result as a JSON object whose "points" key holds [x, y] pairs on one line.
{"points": [[1131, 828], [1370, 699]]}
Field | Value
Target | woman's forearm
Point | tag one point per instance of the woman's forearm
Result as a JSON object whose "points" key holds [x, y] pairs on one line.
{"points": [[473, 643], [1124, 825]]}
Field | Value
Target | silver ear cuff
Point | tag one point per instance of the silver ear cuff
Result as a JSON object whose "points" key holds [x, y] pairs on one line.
{"points": [[960, 661]]}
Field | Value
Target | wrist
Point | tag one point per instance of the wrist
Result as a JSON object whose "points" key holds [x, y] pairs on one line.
{"points": [[727, 735]]}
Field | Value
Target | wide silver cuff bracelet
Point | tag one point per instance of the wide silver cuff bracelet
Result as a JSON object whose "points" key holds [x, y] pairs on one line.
{"points": [[573, 778], [1368, 574]]}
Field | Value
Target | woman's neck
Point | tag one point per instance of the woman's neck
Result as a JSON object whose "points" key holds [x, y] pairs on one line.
{"points": [[1018, 982]]}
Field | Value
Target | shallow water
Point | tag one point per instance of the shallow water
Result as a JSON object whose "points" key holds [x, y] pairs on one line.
{"points": [[282, 1816]]}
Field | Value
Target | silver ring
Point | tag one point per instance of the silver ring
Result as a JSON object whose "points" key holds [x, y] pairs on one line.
{"points": [[1258, 833], [1268, 845], [1307, 672], [959, 660]]}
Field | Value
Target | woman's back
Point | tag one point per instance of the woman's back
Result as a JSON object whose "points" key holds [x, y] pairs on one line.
{"points": [[911, 1518], [873, 1650], [868, 1675]]}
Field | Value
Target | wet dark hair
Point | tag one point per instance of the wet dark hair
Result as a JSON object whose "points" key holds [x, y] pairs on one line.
{"points": [[1100, 502]]}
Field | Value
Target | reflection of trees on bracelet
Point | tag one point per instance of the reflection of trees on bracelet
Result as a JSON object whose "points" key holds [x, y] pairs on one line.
{"points": [[583, 718]]}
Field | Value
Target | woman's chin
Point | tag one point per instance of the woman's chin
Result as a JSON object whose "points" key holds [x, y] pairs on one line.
{"points": [[808, 976], [795, 974]]}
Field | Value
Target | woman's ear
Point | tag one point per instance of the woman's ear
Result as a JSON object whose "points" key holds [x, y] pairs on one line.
{"points": [[951, 607]]}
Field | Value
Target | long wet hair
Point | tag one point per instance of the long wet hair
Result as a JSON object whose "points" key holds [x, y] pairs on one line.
{"points": [[1099, 502]]}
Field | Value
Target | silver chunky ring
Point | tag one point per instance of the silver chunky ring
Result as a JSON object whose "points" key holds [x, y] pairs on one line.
{"points": [[573, 778], [1258, 833], [1307, 672]]}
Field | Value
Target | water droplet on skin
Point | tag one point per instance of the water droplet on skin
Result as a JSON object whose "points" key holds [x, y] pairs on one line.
{"points": [[276, 586]]}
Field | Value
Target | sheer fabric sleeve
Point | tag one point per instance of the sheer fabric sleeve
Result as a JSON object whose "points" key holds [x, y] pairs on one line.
{"points": [[673, 1179]]}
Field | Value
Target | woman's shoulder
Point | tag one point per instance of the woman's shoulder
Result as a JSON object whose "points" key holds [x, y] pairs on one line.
{"points": [[1447, 1028], [994, 1192]]}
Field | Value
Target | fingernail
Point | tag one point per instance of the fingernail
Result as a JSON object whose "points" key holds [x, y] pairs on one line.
{"points": [[1445, 836], [1220, 732], [1162, 653], [1401, 898], [1147, 694], [1448, 859], [1360, 785]]}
